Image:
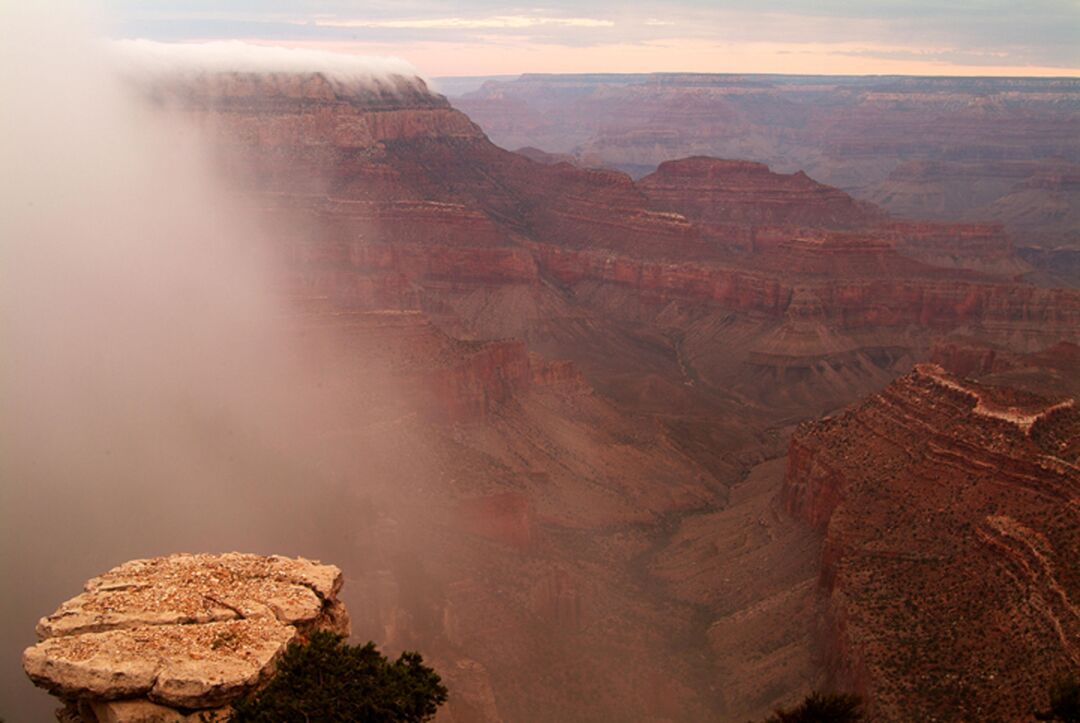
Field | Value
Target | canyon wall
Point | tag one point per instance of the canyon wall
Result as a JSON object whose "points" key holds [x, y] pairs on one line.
{"points": [[438, 218], [949, 515], [945, 149], [719, 191], [553, 402]]}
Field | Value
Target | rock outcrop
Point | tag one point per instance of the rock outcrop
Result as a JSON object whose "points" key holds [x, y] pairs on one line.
{"points": [[951, 530], [170, 638], [1037, 201], [402, 359]]}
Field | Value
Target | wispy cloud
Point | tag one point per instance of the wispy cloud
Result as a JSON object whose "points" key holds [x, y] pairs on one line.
{"points": [[486, 36], [147, 58], [493, 22]]}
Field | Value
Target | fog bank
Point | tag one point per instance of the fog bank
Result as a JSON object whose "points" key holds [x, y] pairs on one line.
{"points": [[152, 402], [149, 58]]}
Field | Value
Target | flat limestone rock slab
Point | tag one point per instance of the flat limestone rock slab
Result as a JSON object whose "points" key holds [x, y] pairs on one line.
{"points": [[187, 666], [184, 631], [186, 589]]}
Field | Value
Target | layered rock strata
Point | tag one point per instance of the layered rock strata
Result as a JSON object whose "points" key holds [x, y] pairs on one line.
{"points": [[951, 532], [405, 203], [458, 458], [1003, 149], [724, 191], [170, 638], [402, 361]]}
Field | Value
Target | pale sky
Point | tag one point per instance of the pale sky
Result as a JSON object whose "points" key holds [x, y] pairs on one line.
{"points": [[489, 37]]}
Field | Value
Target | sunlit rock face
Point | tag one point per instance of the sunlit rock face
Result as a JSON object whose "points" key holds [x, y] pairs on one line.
{"points": [[949, 510], [171, 637]]}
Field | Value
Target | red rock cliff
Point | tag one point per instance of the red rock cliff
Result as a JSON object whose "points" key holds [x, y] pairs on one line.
{"points": [[951, 529]]}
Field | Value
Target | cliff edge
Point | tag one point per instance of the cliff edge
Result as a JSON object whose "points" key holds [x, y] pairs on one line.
{"points": [[173, 638], [949, 509]]}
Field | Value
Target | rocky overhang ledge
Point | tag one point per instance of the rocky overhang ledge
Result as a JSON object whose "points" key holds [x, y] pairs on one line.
{"points": [[172, 638]]}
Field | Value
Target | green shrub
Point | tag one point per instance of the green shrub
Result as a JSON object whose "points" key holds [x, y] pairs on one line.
{"points": [[330, 681], [822, 708]]}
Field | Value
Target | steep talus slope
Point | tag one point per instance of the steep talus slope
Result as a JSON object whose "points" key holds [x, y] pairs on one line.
{"points": [[752, 570], [950, 520]]}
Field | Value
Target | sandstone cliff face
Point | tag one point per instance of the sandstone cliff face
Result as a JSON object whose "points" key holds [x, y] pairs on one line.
{"points": [[1058, 266], [480, 494], [967, 359], [172, 637], [1036, 198], [307, 130], [592, 243], [1050, 372], [950, 521], [1038, 202], [489, 376]]}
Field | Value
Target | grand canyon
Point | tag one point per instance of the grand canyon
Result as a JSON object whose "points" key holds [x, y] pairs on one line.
{"points": [[994, 150], [721, 390]]}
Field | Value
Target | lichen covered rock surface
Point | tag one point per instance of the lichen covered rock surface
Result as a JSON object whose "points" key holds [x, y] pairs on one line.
{"points": [[159, 638]]}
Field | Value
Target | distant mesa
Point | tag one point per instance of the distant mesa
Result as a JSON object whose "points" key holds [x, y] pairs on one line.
{"points": [[172, 638], [732, 191], [942, 149]]}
